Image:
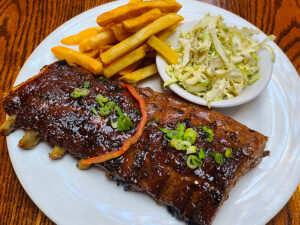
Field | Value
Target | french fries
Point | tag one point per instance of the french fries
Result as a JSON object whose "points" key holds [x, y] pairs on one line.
{"points": [[134, 24], [119, 32], [92, 53], [130, 68], [125, 61], [163, 35], [132, 10], [74, 57], [168, 53], [134, 1], [105, 37], [76, 38], [139, 37], [140, 74]]}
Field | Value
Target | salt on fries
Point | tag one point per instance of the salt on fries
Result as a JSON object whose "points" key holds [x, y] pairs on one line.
{"points": [[74, 57], [126, 40]]}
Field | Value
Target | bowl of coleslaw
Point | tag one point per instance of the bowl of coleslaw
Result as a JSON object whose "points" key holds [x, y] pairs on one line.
{"points": [[219, 66]]}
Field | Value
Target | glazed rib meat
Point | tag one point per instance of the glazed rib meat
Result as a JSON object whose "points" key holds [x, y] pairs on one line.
{"points": [[43, 104]]}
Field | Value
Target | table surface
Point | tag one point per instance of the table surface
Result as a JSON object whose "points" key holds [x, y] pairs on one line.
{"points": [[24, 24]]}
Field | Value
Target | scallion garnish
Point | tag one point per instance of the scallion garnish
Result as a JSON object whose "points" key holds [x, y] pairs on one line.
{"points": [[190, 135], [180, 144], [193, 162], [192, 149], [86, 84], [218, 157], [82, 92], [104, 111], [228, 153], [201, 154], [124, 122], [209, 131], [94, 111]]}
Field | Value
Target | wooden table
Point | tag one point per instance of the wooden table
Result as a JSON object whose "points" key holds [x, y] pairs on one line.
{"points": [[24, 24]]}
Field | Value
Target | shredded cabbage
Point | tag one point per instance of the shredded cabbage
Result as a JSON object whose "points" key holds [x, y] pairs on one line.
{"points": [[216, 61]]}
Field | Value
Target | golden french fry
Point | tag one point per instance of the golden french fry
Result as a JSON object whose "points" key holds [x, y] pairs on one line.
{"points": [[168, 53], [139, 37], [163, 35], [119, 31], [76, 38], [74, 57], [94, 53], [132, 10], [105, 47], [134, 1], [140, 74], [134, 24], [130, 68], [105, 37], [125, 61]]}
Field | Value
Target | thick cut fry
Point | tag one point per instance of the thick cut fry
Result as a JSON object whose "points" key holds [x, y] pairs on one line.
{"points": [[163, 35], [130, 68], [119, 31], [125, 61], [132, 10], [134, 24], [134, 1], [29, 140], [139, 37], [105, 47], [93, 53], [76, 38], [168, 53], [105, 37], [140, 74], [74, 57]]}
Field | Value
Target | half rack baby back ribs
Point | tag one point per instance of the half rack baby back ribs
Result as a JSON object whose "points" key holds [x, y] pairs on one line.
{"points": [[44, 107]]}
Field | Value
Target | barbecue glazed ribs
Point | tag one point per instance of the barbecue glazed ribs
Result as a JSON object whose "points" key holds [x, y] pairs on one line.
{"points": [[43, 105]]}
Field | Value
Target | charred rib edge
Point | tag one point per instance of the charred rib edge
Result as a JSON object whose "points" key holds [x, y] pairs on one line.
{"points": [[8, 126], [29, 140]]}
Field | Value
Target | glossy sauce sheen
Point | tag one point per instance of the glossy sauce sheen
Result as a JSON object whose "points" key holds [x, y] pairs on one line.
{"points": [[44, 104]]}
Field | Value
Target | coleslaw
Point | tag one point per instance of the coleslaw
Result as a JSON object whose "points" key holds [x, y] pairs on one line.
{"points": [[216, 61]]}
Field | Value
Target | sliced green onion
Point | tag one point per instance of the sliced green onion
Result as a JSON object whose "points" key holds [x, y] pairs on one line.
{"points": [[219, 158], [103, 79], [180, 144], [114, 124], [104, 111], [172, 134], [190, 135], [201, 154], [94, 111], [104, 99], [192, 149], [84, 92], [86, 84], [119, 111], [124, 123], [138, 112], [180, 128], [110, 105], [192, 161], [228, 153], [76, 93], [209, 132]]}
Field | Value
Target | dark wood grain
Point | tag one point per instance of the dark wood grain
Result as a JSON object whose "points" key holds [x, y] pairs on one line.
{"points": [[24, 24]]}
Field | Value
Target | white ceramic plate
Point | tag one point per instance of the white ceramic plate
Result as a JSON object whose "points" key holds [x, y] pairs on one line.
{"points": [[71, 196], [248, 94]]}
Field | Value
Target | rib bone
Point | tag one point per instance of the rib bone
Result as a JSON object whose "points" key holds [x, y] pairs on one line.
{"points": [[29, 140], [57, 152], [8, 126]]}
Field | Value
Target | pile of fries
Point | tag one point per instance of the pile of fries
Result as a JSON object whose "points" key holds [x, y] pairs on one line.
{"points": [[126, 40]]}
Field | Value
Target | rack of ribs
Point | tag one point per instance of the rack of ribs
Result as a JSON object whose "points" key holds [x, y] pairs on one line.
{"points": [[42, 106]]}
